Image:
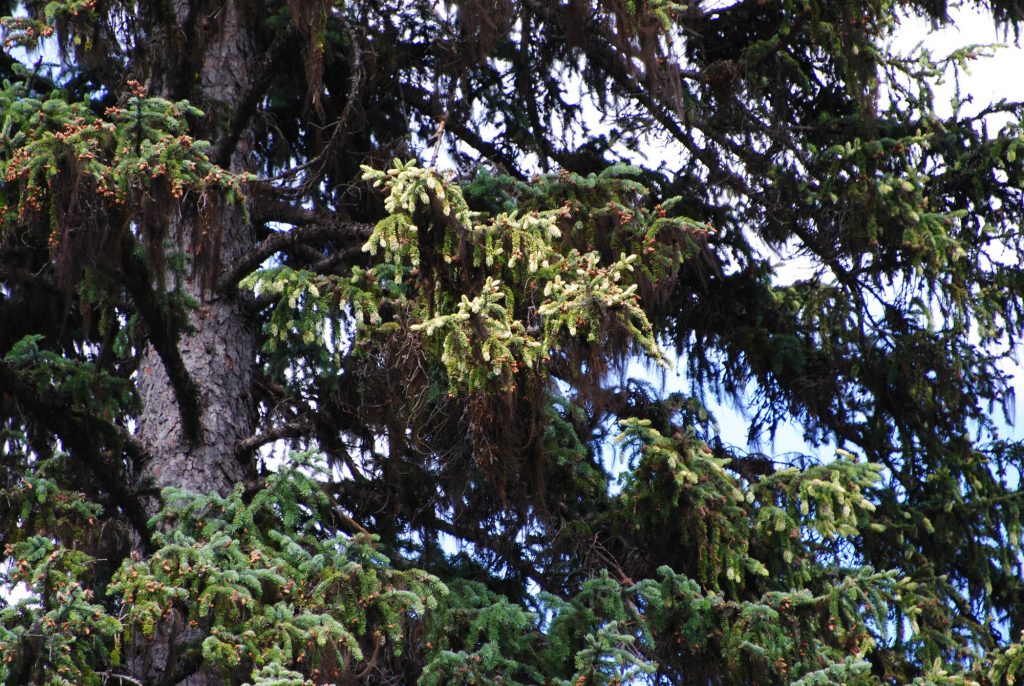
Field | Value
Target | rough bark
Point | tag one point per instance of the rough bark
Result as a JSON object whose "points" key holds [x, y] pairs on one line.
{"points": [[218, 348], [219, 354]]}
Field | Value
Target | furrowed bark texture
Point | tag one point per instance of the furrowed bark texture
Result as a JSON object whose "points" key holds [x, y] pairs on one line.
{"points": [[219, 348], [219, 355]]}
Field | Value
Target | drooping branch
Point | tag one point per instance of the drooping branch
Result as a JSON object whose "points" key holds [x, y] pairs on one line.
{"points": [[163, 336], [75, 427], [318, 164], [619, 71], [500, 546]]}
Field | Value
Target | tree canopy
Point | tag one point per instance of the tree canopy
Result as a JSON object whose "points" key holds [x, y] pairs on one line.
{"points": [[316, 317]]}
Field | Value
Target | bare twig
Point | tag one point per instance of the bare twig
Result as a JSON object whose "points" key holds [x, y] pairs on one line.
{"points": [[420, 99], [119, 678]]}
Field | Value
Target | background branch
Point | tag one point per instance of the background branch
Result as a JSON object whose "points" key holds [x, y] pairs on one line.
{"points": [[76, 429]]}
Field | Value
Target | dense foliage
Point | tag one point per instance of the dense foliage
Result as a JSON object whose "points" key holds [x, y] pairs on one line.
{"points": [[282, 403]]}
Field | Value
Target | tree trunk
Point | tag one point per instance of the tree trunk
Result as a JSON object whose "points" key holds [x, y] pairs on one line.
{"points": [[219, 349], [218, 354]]}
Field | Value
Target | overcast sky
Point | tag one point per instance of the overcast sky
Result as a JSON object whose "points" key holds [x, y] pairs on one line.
{"points": [[991, 79]]}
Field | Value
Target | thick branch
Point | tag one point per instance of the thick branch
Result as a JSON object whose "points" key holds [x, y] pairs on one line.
{"points": [[271, 204], [163, 335], [331, 262], [318, 232], [247, 446], [345, 521]]}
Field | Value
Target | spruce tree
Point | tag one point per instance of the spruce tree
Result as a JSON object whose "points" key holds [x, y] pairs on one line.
{"points": [[316, 317]]}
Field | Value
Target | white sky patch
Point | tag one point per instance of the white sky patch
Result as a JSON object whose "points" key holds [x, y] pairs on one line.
{"points": [[987, 80]]}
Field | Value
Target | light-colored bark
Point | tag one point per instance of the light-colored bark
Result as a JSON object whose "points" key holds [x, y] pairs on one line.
{"points": [[219, 354], [218, 351]]}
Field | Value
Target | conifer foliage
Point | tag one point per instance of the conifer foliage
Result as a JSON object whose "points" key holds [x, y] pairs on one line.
{"points": [[316, 321]]}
